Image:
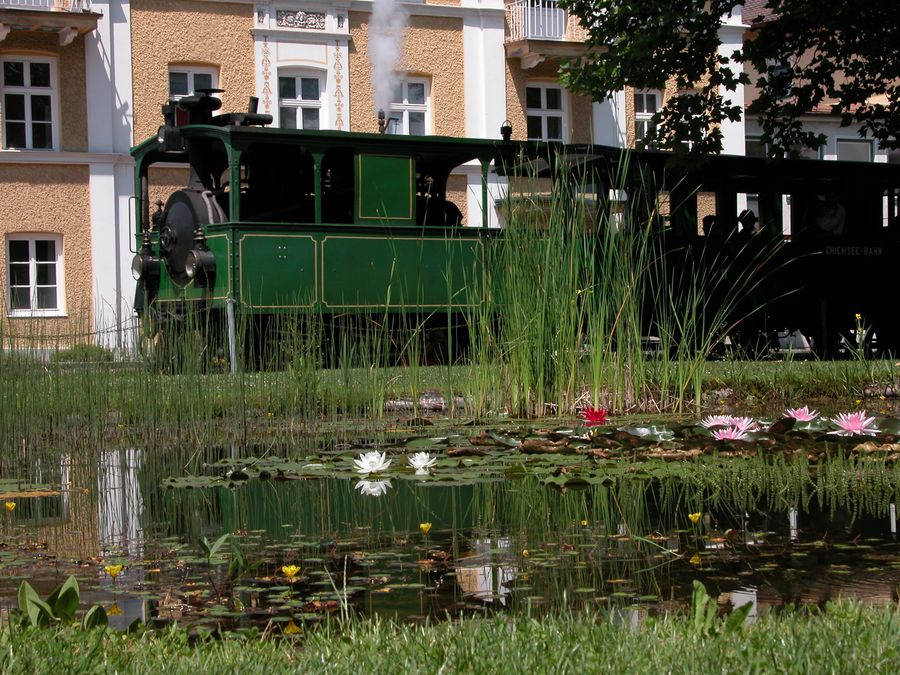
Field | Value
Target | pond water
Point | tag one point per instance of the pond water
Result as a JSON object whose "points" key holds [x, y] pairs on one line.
{"points": [[522, 519]]}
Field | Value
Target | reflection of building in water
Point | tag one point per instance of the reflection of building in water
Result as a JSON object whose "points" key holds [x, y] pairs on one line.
{"points": [[740, 597], [120, 505], [485, 573]]}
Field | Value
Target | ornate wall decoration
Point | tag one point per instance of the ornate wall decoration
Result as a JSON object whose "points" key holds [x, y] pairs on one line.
{"points": [[338, 90], [300, 19], [266, 72]]}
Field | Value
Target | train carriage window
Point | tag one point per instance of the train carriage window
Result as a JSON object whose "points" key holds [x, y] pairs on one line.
{"points": [[29, 103], [854, 150], [409, 113], [301, 99], [187, 80]]}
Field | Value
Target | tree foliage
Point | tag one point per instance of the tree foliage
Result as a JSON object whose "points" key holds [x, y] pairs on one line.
{"points": [[806, 55]]}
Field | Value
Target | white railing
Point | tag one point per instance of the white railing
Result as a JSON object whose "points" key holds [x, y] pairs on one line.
{"points": [[541, 20], [49, 5]]}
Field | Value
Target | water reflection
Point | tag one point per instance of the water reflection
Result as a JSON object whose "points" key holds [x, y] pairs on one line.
{"points": [[625, 545]]}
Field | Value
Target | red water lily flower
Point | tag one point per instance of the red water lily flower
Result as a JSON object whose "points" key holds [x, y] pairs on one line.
{"points": [[593, 416]]}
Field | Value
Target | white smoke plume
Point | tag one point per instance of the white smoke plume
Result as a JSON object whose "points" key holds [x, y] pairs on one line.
{"points": [[386, 30]]}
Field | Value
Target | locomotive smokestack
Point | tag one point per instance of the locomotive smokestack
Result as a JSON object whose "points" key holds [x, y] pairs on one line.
{"points": [[382, 122], [253, 106]]}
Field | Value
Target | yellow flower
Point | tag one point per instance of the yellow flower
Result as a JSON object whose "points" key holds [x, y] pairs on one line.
{"points": [[858, 316], [425, 527], [10, 506], [858, 401], [113, 570], [584, 522], [695, 517], [695, 559], [291, 572], [525, 553], [292, 628], [114, 610]]}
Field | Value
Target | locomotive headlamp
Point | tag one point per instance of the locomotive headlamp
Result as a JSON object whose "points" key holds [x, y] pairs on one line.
{"points": [[144, 266], [200, 265]]}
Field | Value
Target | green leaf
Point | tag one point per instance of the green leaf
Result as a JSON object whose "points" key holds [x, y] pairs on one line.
{"points": [[737, 618], [95, 617], [217, 545], [35, 612], [64, 601]]}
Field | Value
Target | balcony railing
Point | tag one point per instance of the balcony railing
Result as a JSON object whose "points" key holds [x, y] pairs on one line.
{"points": [[48, 5], [541, 20]]}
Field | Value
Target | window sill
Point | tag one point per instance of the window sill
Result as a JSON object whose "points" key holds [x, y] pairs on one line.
{"points": [[54, 314]]}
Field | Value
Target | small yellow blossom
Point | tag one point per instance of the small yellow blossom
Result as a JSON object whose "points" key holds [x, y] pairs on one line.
{"points": [[10, 506], [114, 610], [525, 553], [858, 316], [425, 527], [113, 570], [584, 522], [292, 628], [291, 572], [695, 517], [858, 401], [695, 559]]}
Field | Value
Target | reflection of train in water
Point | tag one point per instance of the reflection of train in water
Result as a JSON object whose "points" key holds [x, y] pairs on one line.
{"points": [[282, 220]]}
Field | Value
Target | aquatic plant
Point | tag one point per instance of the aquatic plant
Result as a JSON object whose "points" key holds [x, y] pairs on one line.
{"points": [[371, 462], [854, 424], [421, 462], [716, 421], [593, 416], [695, 517], [10, 506], [803, 414], [730, 433], [59, 607], [425, 527], [373, 488], [291, 572], [113, 570]]}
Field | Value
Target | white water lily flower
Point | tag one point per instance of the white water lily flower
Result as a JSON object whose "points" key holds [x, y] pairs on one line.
{"points": [[373, 488], [421, 462], [371, 462]]}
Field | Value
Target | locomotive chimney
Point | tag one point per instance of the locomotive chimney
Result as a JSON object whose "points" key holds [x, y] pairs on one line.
{"points": [[382, 122], [253, 106]]}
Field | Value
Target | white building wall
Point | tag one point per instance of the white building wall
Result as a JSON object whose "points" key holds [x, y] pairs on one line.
{"points": [[109, 99], [731, 36]]}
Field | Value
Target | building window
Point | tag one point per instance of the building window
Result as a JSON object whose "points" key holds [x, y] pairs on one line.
{"points": [[184, 80], [854, 151], [300, 101], [545, 112], [409, 108], [29, 103], [34, 274], [646, 105]]}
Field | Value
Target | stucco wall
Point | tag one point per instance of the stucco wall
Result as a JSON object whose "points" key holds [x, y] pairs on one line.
{"points": [[53, 199], [71, 92], [578, 119], [185, 32], [433, 49], [456, 193]]}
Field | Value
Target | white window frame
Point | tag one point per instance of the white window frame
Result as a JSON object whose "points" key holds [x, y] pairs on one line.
{"points": [[398, 115], [28, 91], [31, 238], [299, 104], [191, 71], [544, 113], [643, 121]]}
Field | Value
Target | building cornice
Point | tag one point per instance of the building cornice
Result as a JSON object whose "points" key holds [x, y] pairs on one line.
{"points": [[65, 158]]}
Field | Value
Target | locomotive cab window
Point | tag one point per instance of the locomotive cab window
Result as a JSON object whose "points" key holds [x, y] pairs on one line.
{"points": [[277, 184]]}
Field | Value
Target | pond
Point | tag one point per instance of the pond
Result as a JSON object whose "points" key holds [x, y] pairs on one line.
{"points": [[508, 518]]}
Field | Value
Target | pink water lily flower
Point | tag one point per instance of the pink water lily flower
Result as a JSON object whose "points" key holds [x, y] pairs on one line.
{"points": [[745, 424], [730, 434], [854, 424], [593, 416], [803, 414], [716, 421]]}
